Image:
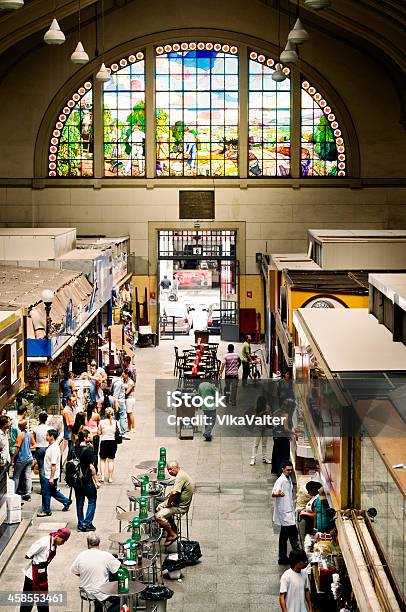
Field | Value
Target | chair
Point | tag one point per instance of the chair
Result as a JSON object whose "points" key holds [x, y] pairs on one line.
{"points": [[120, 509], [86, 597], [178, 359], [178, 522]]}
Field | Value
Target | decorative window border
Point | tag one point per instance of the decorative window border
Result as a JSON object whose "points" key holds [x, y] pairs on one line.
{"points": [[60, 124], [197, 46], [334, 125], [267, 61], [130, 59]]}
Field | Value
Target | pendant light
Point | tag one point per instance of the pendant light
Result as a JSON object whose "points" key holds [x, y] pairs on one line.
{"points": [[11, 5], [54, 36], [79, 56], [298, 34], [278, 75], [317, 5], [289, 55], [103, 76]]}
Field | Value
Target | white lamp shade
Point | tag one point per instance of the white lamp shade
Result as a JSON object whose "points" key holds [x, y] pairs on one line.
{"points": [[278, 74], [11, 4], [317, 5], [298, 34], [54, 36], [103, 76], [47, 296], [79, 56], [289, 55]]}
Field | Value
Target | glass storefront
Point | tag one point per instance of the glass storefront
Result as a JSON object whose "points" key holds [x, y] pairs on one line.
{"points": [[379, 491]]}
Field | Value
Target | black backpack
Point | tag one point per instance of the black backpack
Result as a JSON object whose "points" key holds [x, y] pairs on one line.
{"points": [[73, 472]]}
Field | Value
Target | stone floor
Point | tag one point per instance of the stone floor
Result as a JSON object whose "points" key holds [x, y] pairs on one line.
{"points": [[231, 514]]}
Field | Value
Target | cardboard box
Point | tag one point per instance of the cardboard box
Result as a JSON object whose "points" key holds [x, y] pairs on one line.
{"points": [[13, 502], [13, 516]]}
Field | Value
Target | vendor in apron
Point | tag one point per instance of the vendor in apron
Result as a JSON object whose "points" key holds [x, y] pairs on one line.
{"points": [[41, 554]]}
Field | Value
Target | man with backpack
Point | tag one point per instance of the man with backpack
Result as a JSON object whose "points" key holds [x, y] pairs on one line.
{"points": [[84, 481], [52, 470]]}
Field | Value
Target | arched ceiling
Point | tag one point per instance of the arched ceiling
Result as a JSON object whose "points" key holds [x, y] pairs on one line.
{"points": [[375, 26]]}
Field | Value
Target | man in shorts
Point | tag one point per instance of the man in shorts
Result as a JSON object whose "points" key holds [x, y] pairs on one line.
{"points": [[177, 502]]}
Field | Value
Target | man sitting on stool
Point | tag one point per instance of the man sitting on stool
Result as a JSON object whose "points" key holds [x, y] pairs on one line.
{"points": [[176, 502]]}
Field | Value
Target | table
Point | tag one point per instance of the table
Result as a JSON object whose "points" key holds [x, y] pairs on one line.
{"points": [[134, 589], [135, 496], [146, 465], [128, 516], [122, 537]]}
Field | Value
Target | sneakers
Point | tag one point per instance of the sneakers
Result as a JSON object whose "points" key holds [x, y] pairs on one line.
{"points": [[252, 462], [90, 527], [41, 514], [266, 460], [66, 507], [207, 438]]}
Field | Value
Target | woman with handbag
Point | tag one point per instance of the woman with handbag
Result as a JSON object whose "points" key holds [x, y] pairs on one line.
{"points": [[109, 438]]}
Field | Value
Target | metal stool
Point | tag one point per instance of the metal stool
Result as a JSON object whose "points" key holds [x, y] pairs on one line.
{"points": [[178, 522], [86, 597], [153, 543]]}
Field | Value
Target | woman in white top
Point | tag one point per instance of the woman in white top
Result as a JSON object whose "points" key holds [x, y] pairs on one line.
{"points": [[108, 444], [41, 443], [129, 400]]}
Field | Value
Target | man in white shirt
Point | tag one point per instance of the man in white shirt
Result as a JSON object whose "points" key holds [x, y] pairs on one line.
{"points": [[4, 443], [294, 592], [52, 470], [284, 512], [93, 566]]}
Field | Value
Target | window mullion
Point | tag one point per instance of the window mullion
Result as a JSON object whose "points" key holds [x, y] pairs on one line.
{"points": [[295, 125], [150, 145], [243, 112], [98, 132]]}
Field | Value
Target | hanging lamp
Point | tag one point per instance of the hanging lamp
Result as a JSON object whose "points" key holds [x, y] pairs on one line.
{"points": [[317, 5], [103, 76], [278, 75], [79, 56], [289, 55], [54, 36], [11, 5], [298, 34]]}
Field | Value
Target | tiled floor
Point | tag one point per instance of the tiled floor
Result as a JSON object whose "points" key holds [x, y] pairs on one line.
{"points": [[231, 515]]}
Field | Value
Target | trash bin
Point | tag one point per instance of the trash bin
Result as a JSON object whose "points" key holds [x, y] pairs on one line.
{"points": [[156, 596]]}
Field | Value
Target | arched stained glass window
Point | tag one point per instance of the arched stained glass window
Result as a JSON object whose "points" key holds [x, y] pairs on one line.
{"points": [[124, 118], [197, 109], [71, 144], [322, 143], [269, 119]]}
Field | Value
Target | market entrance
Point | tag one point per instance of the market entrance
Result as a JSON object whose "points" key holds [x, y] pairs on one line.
{"points": [[197, 281]]}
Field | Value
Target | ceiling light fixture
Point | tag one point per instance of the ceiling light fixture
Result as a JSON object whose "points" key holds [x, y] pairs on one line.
{"points": [[54, 36], [79, 56], [298, 34], [289, 55], [278, 75], [11, 5], [317, 5], [103, 76]]}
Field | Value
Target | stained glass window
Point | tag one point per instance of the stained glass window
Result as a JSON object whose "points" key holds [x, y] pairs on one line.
{"points": [[269, 119], [124, 118], [323, 146], [197, 109], [71, 145]]}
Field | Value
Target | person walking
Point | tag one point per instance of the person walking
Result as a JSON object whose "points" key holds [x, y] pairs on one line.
{"points": [[165, 286], [41, 443], [230, 366], [51, 473], [22, 461], [108, 445], [68, 386], [207, 391], [68, 420], [94, 566], [284, 512], [246, 359], [40, 555], [87, 488], [118, 392], [92, 421], [261, 410], [294, 591], [282, 434], [129, 400], [14, 431]]}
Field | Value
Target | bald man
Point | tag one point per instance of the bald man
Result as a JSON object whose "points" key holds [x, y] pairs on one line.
{"points": [[177, 501]]}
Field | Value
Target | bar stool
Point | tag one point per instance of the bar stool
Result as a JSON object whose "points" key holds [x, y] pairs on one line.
{"points": [[178, 523], [86, 597]]}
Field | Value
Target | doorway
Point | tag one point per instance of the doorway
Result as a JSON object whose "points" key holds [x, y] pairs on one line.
{"points": [[198, 281]]}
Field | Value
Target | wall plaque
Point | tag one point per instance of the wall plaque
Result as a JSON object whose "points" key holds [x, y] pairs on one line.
{"points": [[196, 204]]}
